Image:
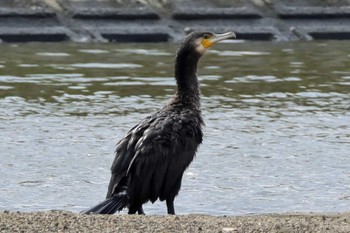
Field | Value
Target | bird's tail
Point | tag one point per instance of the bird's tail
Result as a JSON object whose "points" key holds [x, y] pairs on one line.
{"points": [[110, 205]]}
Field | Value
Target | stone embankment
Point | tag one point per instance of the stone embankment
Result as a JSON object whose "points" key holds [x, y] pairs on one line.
{"points": [[168, 20]]}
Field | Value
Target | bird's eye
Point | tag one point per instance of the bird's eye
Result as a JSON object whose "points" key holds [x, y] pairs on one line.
{"points": [[206, 36]]}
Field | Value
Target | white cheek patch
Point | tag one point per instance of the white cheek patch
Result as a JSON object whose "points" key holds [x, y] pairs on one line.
{"points": [[200, 49]]}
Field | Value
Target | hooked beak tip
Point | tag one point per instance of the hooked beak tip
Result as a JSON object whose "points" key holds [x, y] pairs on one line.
{"points": [[224, 36]]}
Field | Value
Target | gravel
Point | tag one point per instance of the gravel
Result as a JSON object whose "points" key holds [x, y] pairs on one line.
{"points": [[63, 221]]}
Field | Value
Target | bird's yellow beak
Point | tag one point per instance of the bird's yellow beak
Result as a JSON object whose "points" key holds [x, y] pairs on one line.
{"points": [[207, 43]]}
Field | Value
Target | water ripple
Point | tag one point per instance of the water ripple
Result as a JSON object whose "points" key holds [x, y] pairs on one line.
{"points": [[93, 51], [54, 54], [148, 52], [105, 65]]}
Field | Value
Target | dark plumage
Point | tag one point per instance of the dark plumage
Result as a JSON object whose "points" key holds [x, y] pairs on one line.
{"points": [[151, 159]]}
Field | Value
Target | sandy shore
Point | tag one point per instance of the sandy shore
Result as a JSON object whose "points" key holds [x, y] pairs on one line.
{"points": [[62, 221]]}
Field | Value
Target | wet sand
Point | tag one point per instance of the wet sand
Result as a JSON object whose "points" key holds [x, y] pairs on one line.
{"points": [[63, 221]]}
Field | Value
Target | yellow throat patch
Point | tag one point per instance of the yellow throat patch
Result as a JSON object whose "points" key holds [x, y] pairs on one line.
{"points": [[207, 43]]}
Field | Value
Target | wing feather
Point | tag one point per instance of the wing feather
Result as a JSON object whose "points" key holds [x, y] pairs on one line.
{"points": [[161, 144]]}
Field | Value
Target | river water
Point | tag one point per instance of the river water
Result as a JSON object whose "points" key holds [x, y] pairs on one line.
{"points": [[277, 135]]}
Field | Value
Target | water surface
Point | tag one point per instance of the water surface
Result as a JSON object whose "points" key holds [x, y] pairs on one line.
{"points": [[277, 135]]}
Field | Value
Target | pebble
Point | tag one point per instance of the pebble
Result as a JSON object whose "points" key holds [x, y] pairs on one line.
{"points": [[64, 221]]}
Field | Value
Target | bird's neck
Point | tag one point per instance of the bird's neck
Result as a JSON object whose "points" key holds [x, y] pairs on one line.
{"points": [[188, 91]]}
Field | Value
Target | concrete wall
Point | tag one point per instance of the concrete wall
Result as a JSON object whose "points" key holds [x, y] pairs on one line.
{"points": [[169, 20]]}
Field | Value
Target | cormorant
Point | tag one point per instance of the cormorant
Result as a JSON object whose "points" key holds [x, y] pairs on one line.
{"points": [[151, 159]]}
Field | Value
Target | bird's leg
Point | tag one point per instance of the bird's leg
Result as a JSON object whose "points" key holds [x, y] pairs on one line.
{"points": [[132, 210], [140, 211], [170, 206]]}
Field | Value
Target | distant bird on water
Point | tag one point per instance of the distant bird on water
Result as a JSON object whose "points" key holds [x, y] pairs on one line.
{"points": [[151, 159]]}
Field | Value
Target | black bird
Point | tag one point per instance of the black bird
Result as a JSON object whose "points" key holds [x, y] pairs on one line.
{"points": [[151, 159]]}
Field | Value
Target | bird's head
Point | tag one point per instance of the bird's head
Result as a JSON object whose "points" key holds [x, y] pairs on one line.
{"points": [[202, 41]]}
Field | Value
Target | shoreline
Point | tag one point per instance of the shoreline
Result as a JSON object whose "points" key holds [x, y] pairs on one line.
{"points": [[65, 221]]}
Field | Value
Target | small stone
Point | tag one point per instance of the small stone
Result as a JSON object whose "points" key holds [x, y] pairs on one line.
{"points": [[228, 229]]}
